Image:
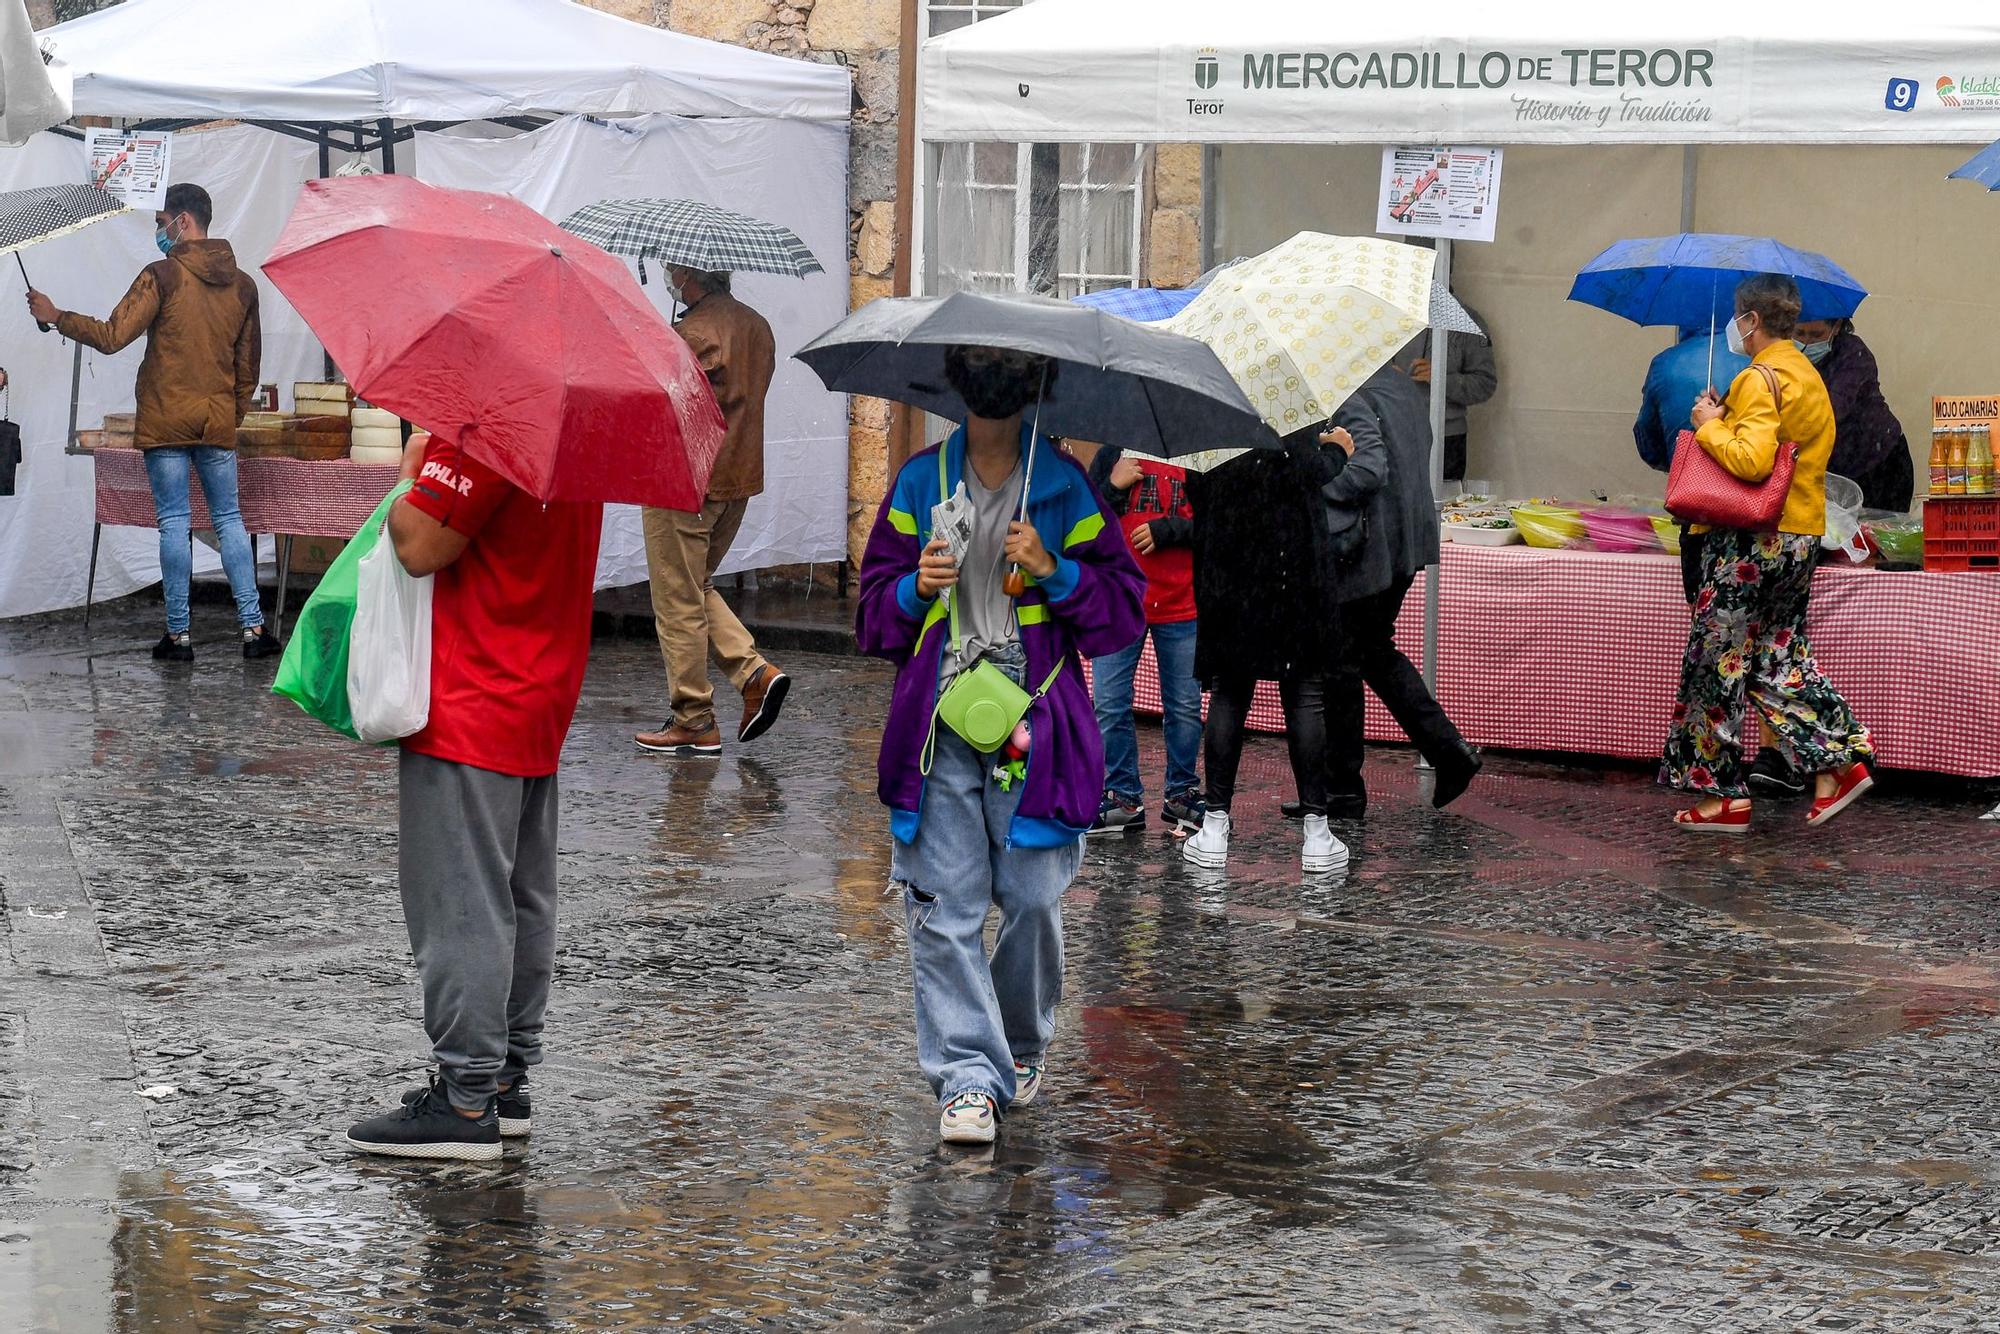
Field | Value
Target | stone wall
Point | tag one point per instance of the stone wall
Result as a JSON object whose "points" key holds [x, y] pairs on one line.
{"points": [[1173, 230], [866, 37]]}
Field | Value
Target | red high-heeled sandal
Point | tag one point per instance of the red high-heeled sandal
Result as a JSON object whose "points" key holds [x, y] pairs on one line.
{"points": [[1733, 818], [1853, 781]]}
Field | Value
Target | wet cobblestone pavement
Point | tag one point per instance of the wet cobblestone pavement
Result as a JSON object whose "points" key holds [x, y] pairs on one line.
{"points": [[1536, 1064]]}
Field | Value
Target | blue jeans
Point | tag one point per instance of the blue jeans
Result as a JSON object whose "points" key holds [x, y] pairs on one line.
{"points": [[976, 1017], [167, 469], [1180, 694]]}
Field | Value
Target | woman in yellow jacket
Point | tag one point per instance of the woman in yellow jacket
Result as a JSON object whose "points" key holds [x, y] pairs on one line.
{"points": [[1748, 642]]}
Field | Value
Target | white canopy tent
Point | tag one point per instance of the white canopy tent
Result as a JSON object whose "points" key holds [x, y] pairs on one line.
{"points": [[360, 61], [1599, 81], [760, 133], [1558, 72], [33, 95]]}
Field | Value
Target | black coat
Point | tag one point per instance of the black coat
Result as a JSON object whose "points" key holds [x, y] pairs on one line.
{"points": [[1868, 446], [1385, 488], [1264, 589]]}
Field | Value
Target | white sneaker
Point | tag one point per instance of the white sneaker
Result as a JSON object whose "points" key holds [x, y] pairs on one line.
{"points": [[1027, 1083], [969, 1118], [1209, 846], [1323, 852]]}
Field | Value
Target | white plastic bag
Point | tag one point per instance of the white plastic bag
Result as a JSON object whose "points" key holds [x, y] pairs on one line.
{"points": [[389, 648]]}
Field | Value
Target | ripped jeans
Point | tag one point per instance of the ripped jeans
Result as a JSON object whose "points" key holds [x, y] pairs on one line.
{"points": [[975, 1016]]}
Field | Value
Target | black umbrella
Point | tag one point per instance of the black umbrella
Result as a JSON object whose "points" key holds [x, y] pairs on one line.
{"points": [[1121, 383]]}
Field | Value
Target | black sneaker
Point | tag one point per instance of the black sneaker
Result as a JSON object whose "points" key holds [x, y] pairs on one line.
{"points": [[1115, 815], [1455, 774], [516, 1120], [429, 1127], [174, 648], [1772, 772], [1184, 810], [261, 643]]}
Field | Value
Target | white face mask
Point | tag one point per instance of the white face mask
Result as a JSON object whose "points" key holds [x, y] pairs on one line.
{"points": [[1736, 337]]}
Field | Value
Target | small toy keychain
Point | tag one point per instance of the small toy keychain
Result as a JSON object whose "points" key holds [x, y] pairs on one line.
{"points": [[1013, 765]]}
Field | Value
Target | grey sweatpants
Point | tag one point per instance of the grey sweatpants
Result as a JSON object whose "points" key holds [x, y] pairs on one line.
{"points": [[478, 870]]}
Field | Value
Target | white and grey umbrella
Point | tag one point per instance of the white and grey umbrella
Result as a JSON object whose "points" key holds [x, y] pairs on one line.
{"points": [[1120, 383], [692, 235], [29, 217]]}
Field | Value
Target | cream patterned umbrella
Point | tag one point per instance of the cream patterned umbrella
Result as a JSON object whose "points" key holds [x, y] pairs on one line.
{"points": [[1303, 326]]}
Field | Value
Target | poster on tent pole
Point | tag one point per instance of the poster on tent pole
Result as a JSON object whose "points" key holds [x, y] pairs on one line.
{"points": [[133, 165], [1452, 193]]}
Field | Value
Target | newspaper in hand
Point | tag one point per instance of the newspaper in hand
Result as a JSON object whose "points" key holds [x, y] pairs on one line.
{"points": [[952, 521]]}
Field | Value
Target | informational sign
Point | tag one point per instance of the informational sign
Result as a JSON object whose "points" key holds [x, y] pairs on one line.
{"points": [[1445, 192], [131, 164]]}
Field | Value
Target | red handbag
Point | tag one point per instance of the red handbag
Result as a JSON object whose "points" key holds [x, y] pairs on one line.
{"points": [[1700, 490]]}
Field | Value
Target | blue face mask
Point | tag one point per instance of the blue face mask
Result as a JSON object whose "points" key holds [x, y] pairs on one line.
{"points": [[1816, 352], [164, 240]]}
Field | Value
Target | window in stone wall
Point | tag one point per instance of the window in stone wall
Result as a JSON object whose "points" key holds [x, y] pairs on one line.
{"points": [[951, 15], [1058, 219]]}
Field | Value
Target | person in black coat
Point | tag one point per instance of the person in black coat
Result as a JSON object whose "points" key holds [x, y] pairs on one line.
{"points": [[1269, 611], [1384, 491], [1869, 446]]}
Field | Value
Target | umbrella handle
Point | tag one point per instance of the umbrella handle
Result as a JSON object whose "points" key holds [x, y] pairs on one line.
{"points": [[31, 286], [1015, 584]]}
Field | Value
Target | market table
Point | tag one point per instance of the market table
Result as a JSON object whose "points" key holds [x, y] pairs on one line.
{"points": [[1580, 652], [286, 498]]}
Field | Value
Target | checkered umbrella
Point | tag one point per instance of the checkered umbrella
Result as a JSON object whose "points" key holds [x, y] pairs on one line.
{"points": [[49, 211], [692, 235]]}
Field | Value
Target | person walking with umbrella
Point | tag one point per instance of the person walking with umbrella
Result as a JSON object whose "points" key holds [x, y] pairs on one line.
{"points": [[204, 344], [980, 823]]}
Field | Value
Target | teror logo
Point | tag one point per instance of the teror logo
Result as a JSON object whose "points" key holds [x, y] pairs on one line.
{"points": [[1207, 69], [1947, 91]]}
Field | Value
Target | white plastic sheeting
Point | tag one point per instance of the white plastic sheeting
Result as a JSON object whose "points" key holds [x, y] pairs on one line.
{"points": [[1467, 71], [253, 176], [789, 172], [418, 60], [32, 95]]}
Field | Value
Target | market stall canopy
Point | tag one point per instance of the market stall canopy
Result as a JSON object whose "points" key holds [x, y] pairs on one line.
{"points": [[346, 61], [1561, 72]]}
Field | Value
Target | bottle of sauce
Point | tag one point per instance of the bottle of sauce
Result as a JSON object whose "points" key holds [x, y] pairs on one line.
{"points": [[1979, 463], [1940, 461], [1955, 462]]}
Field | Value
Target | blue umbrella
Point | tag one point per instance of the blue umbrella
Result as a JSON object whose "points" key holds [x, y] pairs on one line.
{"points": [[1984, 168], [1144, 304], [1690, 280]]}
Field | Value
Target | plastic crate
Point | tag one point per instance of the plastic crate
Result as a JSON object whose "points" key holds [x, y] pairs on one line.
{"points": [[1962, 533]]}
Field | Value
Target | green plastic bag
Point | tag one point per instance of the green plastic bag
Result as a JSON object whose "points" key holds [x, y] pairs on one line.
{"points": [[313, 672]]}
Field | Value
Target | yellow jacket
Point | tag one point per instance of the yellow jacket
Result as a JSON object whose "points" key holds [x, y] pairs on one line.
{"points": [[1745, 438]]}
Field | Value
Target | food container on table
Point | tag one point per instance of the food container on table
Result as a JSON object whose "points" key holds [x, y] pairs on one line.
{"points": [[93, 440], [1550, 526], [378, 437], [1899, 539], [377, 417], [256, 442], [381, 456], [1474, 535], [1668, 530], [1620, 530], [312, 398]]}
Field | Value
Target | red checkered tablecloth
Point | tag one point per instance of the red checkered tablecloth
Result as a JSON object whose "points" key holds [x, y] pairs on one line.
{"points": [[294, 497], [1580, 652]]}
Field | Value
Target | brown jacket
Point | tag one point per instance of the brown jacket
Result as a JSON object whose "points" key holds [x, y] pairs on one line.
{"points": [[734, 345], [204, 344]]}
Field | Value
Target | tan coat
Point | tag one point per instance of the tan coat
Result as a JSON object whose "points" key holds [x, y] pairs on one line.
{"points": [[734, 345], [204, 344]]}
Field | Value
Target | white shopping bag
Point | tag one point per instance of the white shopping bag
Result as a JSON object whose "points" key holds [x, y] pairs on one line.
{"points": [[389, 648]]}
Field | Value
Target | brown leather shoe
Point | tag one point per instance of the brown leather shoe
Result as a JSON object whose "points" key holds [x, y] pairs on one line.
{"points": [[673, 739], [763, 696]]}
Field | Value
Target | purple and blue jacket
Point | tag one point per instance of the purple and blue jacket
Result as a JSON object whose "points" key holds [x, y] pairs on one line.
{"points": [[1093, 604]]}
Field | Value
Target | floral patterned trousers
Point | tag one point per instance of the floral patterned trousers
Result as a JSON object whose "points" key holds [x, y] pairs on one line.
{"points": [[1748, 644]]}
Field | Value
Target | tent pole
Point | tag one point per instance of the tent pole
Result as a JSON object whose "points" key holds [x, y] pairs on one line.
{"points": [[325, 170], [1440, 358], [387, 130]]}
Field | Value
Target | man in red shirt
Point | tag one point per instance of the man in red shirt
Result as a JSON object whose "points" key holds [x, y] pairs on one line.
{"points": [[510, 637], [1150, 499]]}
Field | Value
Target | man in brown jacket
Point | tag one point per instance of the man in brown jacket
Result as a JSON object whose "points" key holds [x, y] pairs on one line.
{"points": [[198, 312], [734, 345]]}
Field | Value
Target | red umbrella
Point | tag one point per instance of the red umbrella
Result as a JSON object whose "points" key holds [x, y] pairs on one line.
{"points": [[478, 319]]}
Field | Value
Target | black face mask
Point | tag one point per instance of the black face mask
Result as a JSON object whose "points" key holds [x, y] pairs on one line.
{"points": [[996, 391]]}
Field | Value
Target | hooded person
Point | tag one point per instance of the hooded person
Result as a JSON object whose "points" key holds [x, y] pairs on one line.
{"points": [[991, 763], [204, 346]]}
